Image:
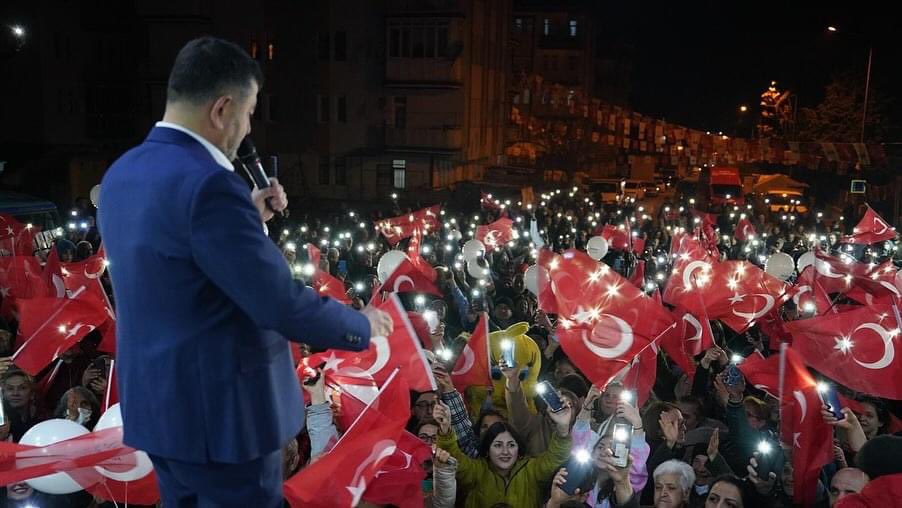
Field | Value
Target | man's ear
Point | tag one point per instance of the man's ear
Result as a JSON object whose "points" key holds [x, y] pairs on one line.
{"points": [[220, 110]]}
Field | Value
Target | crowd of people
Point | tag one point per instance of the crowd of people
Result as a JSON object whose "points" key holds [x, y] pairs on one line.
{"points": [[702, 440]]}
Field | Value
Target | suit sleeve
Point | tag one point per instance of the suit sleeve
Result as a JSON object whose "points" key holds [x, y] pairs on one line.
{"points": [[229, 246]]}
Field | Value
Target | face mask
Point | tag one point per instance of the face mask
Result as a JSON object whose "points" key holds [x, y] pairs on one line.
{"points": [[83, 416], [702, 489]]}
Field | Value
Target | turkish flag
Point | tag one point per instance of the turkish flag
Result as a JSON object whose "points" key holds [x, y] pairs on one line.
{"points": [[604, 321], [323, 282], [840, 275], [617, 237], [82, 281], [638, 277], [395, 229], [639, 375], [548, 260], [401, 349], [697, 335], [16, 239], [762, 373], [408, 278], [399, 481], [413, 253], [50, 326], [802, 426], [340, 477], [486, 201], [744, 231], [871, 229], [856, 348], [53, 275], [737, 293], [20, 278], [808, 291], [472, 366], [496, 234]]}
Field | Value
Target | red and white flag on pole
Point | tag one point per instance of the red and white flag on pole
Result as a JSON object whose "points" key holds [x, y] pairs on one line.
{"points": [[340, 477], [872, 228], [496, 234], [472, 366], [395, 229], [856, 348], [401, 349]]}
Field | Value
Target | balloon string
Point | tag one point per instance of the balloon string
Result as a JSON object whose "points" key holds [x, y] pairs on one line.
{"points": [[105, 486]]}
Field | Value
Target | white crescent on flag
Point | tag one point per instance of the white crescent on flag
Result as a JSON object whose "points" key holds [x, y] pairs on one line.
{"points": [[623, 345], [691, 267], [889, 350], [469, 359], [751, 316], [381, 450]]}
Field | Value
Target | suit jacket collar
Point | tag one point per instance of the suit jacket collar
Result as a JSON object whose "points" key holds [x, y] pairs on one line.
{"points": [[177, 137]]}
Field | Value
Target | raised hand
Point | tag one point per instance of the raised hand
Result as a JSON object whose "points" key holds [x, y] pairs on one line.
{"points": [[442, 415], [713, 444]]}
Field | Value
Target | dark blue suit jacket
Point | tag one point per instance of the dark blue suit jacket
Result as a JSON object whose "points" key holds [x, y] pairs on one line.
{"points": [[204, 301]]}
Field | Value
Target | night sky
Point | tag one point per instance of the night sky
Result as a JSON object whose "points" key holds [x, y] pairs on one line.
{"points": [[695, 62]]}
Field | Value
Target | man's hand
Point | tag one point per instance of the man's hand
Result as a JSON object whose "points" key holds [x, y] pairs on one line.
{"points": [[713, 444], [442, 415], [278, 200], [381, 324], [5, 364], [763, 485], [98, 386], [670, 427], [442, 378], [630, 413], [441, 456], [89, 375]]}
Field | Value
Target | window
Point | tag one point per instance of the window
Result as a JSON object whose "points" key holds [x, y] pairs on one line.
{"points": [[383, 175], [254, 49], [341, 173], [324, 173], [341, 46], [572, 28], [323, 107], [399, 170], [421, 39], [323, 46], [518, 24], [394, 42], [547, 26], [341, 109], [400, 112], [270, 51]]}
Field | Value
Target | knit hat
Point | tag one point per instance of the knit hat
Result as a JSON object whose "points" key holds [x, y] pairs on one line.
{"points": [[880, 456]]}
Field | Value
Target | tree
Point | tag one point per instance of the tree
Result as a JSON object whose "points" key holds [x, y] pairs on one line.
{"points": [[838, 117]]}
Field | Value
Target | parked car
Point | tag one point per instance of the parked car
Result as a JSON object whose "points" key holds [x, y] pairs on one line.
{"points": [[652, 189], [785, 201], [608, 191], [634, 189]]}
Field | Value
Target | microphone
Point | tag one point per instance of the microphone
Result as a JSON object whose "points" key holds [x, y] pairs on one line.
{"points": [[247, 156]]}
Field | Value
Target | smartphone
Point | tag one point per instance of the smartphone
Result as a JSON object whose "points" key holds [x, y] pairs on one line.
{"points": [[620, 443], [507, 354], [830, 398], [579, 469], [343, 266], [732, 375], [100, 364], [765, 459], [550, 396]]}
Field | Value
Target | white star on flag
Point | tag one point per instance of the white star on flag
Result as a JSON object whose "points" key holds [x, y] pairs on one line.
{"points": [[737, 298]]}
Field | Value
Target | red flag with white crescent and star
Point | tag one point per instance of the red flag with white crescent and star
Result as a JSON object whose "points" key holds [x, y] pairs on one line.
{"points": [[856, 348], [872, 228], [48, 327], [16, 239], [803, 428], [496, 234], [395, 229], [413, 254], [604, 322], [408, 278], [472, 366], [348, 469], [401, 349], [744, 230], [762, 373], [20, 278]]}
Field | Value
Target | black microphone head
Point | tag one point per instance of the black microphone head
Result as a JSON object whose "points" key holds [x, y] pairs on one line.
{"points": [[247, 151]]}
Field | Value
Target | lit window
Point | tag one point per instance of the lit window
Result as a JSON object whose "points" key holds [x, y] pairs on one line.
{"points": [[399, 167], [572, 28]]}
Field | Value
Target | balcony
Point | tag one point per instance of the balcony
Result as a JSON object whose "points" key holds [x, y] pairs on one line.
{"points": [[424, 138], [423, 73]]}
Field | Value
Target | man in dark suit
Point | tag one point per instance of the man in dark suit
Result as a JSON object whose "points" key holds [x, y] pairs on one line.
{"points": [[205, 300]]}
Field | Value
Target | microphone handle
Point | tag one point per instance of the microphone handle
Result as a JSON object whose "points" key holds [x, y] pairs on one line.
{"points": [[255, 171]]}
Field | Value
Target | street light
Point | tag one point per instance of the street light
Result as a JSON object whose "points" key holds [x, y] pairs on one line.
{"points": [[743, 109], [867, 81]]}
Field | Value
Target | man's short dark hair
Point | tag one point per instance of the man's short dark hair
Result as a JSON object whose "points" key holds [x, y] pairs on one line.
{"points": [[207, 68]]}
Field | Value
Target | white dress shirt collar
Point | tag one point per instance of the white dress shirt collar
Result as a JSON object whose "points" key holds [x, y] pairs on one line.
{"points": [[215, 152]]}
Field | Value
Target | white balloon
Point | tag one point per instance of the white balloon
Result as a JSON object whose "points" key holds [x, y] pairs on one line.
{"points": [[95, 195], [139, 462], [477, 270], [597, 247], [780, 265], [46, 433], [532, 276], [805, 260], [473, 249], [388, 262]]}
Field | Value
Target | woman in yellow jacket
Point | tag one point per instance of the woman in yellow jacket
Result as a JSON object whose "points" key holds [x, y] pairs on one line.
{"points": [[502, 474]]}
